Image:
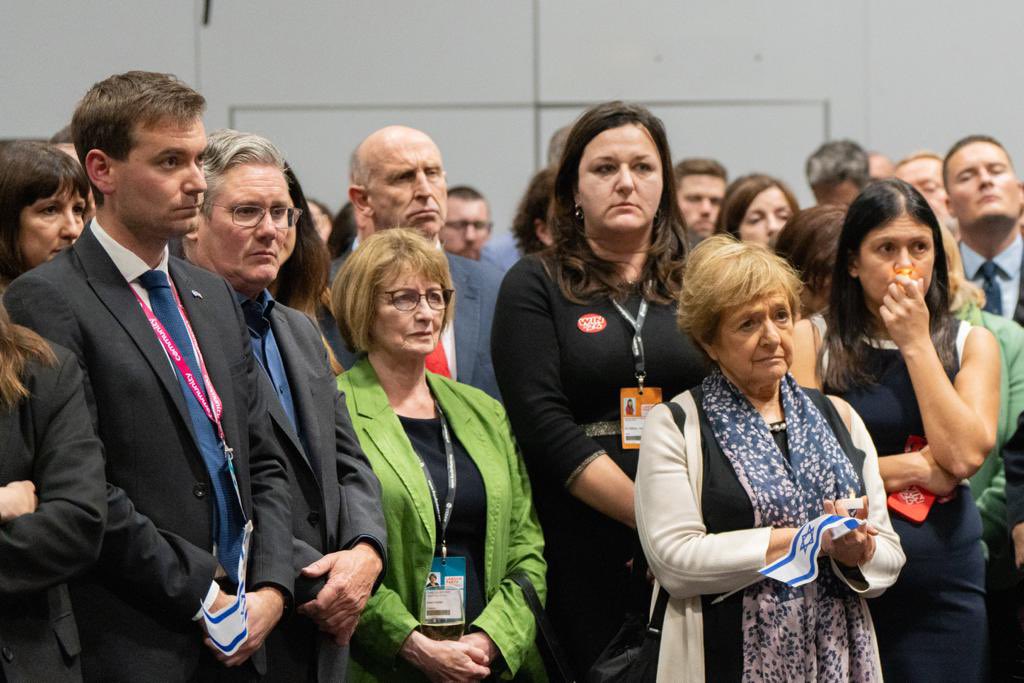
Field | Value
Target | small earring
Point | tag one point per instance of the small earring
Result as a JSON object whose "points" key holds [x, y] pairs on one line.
{"points": [[579, 213]]}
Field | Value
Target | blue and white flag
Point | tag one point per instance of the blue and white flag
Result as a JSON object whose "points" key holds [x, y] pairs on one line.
{"points": [[800, 564], [229, 628]]}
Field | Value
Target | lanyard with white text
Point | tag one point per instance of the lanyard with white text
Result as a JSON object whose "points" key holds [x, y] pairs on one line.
{"points": [[213, 408], [449, 500], [637, 347], [214, 411]]}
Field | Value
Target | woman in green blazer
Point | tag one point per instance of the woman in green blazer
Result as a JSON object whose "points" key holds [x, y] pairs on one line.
{"points": [[392, 299]]}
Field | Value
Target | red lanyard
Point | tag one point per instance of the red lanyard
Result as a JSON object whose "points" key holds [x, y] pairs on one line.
{"points": [[174, 354]]}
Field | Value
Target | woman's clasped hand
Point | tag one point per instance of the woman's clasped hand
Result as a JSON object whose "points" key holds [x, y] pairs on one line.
{"points": [[855, 547]]}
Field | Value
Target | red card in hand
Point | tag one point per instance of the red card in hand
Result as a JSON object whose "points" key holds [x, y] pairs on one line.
{"points": [[912, 502]]}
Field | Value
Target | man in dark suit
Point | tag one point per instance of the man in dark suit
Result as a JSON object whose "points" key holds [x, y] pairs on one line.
{"points": [[247, 222], [985, 196], [398, 180], [174, 393]]}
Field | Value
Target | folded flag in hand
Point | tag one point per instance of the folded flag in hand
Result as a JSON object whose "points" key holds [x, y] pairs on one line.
{"points": [[228, 628], [800, 564]]}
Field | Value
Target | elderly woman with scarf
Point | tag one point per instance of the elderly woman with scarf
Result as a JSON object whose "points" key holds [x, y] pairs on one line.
{"points": [[724, 484]]}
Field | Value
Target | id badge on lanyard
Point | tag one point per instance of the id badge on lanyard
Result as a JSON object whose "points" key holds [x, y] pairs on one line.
{"points": [[443, 613], [636, 402], [444, 599]]}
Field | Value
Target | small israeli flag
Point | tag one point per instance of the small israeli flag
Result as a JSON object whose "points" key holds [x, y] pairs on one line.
{"points": [[800, 564], [229, 628]]}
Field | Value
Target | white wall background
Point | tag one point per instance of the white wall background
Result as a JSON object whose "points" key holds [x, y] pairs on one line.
{"points": [[757, 85]]}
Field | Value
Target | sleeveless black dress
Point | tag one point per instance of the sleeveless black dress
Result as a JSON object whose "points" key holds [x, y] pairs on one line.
{"points": [[931, 625]]}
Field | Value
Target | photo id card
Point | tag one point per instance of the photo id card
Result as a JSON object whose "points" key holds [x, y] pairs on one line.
{"points": [[633, 409], [444, 599]]}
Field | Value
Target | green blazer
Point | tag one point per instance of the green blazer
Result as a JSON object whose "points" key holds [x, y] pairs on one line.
{"points": [[988, 485], [513, 540]]}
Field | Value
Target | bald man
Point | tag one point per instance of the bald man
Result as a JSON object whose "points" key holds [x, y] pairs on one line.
{"points": [[398, 180]]}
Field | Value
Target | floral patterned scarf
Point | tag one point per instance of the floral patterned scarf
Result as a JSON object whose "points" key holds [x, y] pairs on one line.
{"points": [[819, 631]]}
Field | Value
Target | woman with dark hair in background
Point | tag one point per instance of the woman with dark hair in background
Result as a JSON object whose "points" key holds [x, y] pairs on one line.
{"points": [[43, 195], [530, 225], [927, 387], [808, 241], [755, 208], [568, 351], [302, 281], [53, 504], [322, 218], [343, 232]]}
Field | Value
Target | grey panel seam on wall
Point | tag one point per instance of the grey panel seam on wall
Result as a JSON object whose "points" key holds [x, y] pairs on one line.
{"points": [[739, 102], [536, 86], [235, 109]]}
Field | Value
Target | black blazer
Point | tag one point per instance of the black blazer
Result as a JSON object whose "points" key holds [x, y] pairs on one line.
{"points": [[48, 439], [136, 607], [335, 494]]}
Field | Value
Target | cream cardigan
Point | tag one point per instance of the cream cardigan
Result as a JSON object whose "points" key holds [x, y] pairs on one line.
{"points": [[688, 562]]}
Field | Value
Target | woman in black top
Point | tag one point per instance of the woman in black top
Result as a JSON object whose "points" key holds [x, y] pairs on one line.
{"points": [[563, 355]]}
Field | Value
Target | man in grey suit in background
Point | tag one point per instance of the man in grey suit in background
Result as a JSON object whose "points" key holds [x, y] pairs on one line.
{"points": [[398, 180], [245, 226]]}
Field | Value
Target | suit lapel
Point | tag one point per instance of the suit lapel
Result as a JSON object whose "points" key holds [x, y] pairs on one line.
{"points": [[382, 428], [302, 396], [117, 296], [208, 336], [1018, 313], [467, 320]]}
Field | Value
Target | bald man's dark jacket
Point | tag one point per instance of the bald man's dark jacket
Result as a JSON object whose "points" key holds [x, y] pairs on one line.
{"points": [[135, 608]]}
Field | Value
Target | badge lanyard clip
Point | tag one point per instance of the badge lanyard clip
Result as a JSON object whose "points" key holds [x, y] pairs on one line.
{"points": [[637, 345]]}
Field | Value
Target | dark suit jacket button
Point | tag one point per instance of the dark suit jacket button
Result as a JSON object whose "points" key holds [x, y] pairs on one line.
{"points": [[199, 490], [8, 655], [313, 518]]}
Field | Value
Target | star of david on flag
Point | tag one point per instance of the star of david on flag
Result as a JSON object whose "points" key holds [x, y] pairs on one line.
{"points": [[800, 564]]}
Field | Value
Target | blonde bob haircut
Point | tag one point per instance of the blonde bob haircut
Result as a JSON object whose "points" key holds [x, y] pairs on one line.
{"points": [[372, 269], [723, 273]]}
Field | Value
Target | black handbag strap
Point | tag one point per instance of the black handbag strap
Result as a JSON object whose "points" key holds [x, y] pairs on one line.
{"points": [[545, 632], [658, 615]]}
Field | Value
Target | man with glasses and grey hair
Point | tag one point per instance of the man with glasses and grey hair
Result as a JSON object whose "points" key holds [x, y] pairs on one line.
{"points": [[339, 540], [837, 172]]}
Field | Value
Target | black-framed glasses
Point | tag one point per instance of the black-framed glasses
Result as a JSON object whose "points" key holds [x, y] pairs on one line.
{"points": [[248, 216], [407, 300], [462, 226]]}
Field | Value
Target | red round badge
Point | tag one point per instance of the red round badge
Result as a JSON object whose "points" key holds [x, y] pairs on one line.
{"points": [[591, 323]]}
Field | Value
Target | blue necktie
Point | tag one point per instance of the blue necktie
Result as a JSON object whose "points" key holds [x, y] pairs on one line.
{"points": [[227, 527], [990, 285]]}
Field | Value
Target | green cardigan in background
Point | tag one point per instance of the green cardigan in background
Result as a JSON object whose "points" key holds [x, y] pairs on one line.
{"points": [[513, 539], [988, 485]]}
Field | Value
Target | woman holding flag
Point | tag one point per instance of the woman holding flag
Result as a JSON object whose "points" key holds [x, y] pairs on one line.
{"points": [[738, 468]]}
